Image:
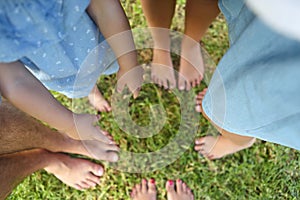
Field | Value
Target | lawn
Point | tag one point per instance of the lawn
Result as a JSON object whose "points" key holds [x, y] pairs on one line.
{"points": [[265, 171]]}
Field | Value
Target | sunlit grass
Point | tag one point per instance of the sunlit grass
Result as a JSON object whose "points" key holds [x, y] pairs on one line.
{"points": [[265, 171]]}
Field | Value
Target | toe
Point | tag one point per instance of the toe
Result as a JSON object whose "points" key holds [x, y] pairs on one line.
{"points": [[144, 186], [133, 193], [90, 183], [165, 84], [138, 188], [84, 185], [111, 156], [184, 188], [97, 170], [78, 187], [179, 186], [199, 141], [181, 83], [151, 185], [170, 186]]}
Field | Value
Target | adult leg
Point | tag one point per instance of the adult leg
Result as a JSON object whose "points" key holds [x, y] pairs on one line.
{"points": [[224, 144], [77, 173], [199, 15], [21, 132], [159, 16]]}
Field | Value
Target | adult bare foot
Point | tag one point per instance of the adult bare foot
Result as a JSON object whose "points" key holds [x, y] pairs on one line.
{"points": [[222, 145], [75, 172], [191, 65], [98, 101], [144, 191], [182, 192], [162, 72]]}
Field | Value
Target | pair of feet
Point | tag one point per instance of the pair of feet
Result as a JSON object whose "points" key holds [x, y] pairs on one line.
{"points": [[146, 190], [190, 72]]}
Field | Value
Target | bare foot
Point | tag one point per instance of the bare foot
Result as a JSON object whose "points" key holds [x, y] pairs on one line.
{"points": [[98, 101], [98, 150], [162, 72], [191, 66], [144, 191], [75, 172], [182, 192], [222, 145]]}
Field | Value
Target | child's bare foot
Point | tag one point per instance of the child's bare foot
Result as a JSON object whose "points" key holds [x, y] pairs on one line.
{"points": [[144, 191], [98, 150], [191, 65], [98, 101], [162, 72], [222, 145], [182, 192], [75, 172]]}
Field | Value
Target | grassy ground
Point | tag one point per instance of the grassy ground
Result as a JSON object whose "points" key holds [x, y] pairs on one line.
{"points": [[265, 171]]}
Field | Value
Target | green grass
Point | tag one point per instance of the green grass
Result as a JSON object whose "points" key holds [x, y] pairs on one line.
{"points": [[265, 171]]}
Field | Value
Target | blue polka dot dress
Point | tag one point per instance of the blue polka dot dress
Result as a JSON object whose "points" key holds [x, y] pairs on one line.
{"points": [[57, 41], [255, 90]]}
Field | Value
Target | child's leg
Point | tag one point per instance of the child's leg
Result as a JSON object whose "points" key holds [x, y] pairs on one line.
{"points": [[21, 132], [98, 101], [77, 173], [199, 15], [159, 14], [226, 143]]}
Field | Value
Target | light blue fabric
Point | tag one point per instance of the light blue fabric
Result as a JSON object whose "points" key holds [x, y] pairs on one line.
{"points": [[57, 41], [255, 90]]}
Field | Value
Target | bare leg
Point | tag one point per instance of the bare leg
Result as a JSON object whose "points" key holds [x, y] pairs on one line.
{"points": [[77, 173], [182, 192], [98, 101], [21, 132], [198, 17], [144, 191], [159, 16], [226, 143]]}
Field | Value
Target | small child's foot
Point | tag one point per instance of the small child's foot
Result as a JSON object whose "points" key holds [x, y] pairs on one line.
{"points": [[75, 172], [220, 146], [191, 66], [144, 191], [182, 192], [162, 72], [98, 101]]}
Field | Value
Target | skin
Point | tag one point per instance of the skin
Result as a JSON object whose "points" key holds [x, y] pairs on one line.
{"points": [[146, 190], [226, 143], [199, 15]]}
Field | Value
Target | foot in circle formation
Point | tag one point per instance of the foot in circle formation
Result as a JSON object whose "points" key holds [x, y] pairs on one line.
{"points": [[222, 145], [144, 191], [147, 191], [182, 192], [98, 101], [76, 172], [191, 69], [162, 72]]}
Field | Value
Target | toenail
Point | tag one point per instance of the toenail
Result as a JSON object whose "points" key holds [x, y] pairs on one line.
{"points": [[152, 180], [179, 181], [144, 181], [197, 142], [114, 158], [100, 172], [170, 182]]}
